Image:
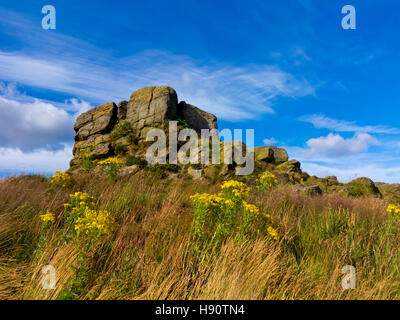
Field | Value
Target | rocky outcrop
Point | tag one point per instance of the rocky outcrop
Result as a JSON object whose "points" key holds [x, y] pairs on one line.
{"points": [[120, 129]]}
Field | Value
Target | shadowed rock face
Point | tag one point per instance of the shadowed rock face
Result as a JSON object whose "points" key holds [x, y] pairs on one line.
{"points": [[196, 119]]}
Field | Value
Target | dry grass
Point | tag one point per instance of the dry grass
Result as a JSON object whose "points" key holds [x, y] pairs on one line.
{"points": [[148, 258]]}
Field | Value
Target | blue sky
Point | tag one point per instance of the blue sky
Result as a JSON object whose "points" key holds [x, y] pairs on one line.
{"points": [[285, 68]]}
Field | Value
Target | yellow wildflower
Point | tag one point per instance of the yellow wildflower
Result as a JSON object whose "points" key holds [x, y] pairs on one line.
{"points": [[236, 188], [60, 178], [95, 222], [394, 210], [266, 181], [272, 233], [48, 217]]}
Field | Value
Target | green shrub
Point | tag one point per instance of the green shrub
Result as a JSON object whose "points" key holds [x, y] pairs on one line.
{"points": [[137, 161], [122, 129]]}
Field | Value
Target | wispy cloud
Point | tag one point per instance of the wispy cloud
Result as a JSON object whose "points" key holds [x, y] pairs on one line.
{"points": [[232, 93], [57, 62], [322, 122]]}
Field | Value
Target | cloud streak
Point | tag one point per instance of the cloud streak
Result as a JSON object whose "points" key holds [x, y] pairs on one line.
{"points": [[232, 93], [322, 122]]}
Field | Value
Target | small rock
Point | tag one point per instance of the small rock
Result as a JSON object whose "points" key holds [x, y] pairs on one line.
{"points": [[310, 190]]}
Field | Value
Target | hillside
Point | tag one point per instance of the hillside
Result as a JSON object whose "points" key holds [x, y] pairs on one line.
{"points": [[116, 227]]}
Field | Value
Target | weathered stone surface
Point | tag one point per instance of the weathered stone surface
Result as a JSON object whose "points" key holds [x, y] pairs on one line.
{"points": [[95, 121], [151, 106], [271, 154], [196, 119], [102, 145], [283, 178], [292, 166]]}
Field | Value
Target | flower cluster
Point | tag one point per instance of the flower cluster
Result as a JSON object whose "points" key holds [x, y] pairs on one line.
{"points": [[266, 181], [88, 151], [95, 223], [394, 211], [216, 217], [82, 213], [210, 200], [111, 166], [62, 179], [79, 200], [48, 217], [235, 189]]}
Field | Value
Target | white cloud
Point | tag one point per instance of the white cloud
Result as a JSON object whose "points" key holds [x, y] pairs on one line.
{"points": [[30, 124], [335, 145], [322, 122], [271, 141], [14, 161], [355, 170], [378, 166], [34, 125]]}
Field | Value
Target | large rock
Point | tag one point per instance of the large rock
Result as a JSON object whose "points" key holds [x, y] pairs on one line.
{"points": [[362, 187], [151, 106], [99, 120], [195, 118], [271, 154]]}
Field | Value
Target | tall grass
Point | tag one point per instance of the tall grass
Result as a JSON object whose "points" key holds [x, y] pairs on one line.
{"points": [[147, 256]]}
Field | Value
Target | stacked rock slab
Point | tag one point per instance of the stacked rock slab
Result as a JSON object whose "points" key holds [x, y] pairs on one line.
{"points": [[147, 108], [92, 127]]}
